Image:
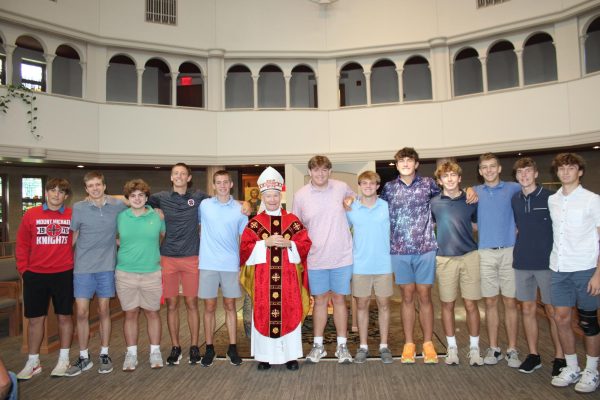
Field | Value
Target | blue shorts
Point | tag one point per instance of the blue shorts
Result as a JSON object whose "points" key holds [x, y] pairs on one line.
{"points": [[101, 283], [321, 281], [570, 289], [414, 268]]}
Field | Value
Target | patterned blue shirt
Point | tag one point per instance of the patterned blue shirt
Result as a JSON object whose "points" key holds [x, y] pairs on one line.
{"points": [[411, 222]]}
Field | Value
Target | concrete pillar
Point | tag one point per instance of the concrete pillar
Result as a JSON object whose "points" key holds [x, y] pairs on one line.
{"points": [[174, 76], [400, 73], [255, 91], [484, 77], [140, 75], [521, 71], [287, 78], [9, 63], [83, 66], [214, 81], [328, 85], [440, 75], [368, 86], [49, 59]]}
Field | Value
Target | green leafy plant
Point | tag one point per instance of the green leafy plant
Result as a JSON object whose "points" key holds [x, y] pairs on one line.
{"points": [[28, 97]]}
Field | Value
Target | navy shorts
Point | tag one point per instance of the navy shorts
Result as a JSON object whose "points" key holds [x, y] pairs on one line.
{"points": [[570, 289]]}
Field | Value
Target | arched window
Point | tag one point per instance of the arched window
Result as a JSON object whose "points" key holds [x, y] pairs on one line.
{"points": [[29, 64], [271, 87], [66, 72], [467, 72], [303, 88], [239, 87], [156, 82], [352, 85], [592, 47], [2, 66], [121, 80], [190, 86], [502, 67], [384, 82], [539, 59], [416, 79]]}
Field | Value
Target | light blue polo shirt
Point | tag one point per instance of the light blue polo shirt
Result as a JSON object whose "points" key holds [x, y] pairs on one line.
{"points": [[495, 219], [221, 225], [371, 238]]}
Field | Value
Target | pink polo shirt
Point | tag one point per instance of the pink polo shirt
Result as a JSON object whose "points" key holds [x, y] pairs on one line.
{"points": [[322, 212]]}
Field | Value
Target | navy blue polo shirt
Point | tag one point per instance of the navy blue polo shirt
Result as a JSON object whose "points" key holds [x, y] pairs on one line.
{"points": [[453, 218], [181, 218], [534, 226]]}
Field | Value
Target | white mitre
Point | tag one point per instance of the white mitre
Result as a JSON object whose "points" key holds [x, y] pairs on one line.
{"points": [[270, 179]]}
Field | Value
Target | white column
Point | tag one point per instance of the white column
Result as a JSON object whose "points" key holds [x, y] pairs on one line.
{"points": [[214, 81], [438, 66], [582, 40], [9, 63], [367, 75], [255, 91], [174, 76], [400, 73], [520, 67], [287, 78], [484, 78], [140, 75], [83, 66], [49, 59], [451, 79]]}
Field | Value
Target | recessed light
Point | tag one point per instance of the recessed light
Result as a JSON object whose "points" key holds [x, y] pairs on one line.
{"points": [[596, 147], [257, 165], [519, 154], [156, 167], [391, 164], [81, 166]]}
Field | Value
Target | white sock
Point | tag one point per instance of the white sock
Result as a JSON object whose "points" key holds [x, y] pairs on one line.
{"points": [[451, 341], [364, 346], [571, 360], [341, 340], [103, 350], [84, 353], [474, 341], [383, 346], [318, 340], [63, 354], [154, 347], [132, 350], [591, 363], [34, 357]]}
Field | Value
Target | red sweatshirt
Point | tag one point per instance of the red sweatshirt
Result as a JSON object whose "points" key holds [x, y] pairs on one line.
{"points": [[44, 241]]}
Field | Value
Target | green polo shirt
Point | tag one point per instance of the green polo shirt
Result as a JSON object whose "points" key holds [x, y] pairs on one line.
{"points": [[139, 250]]}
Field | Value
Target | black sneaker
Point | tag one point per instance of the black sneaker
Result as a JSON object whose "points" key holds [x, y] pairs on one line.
{"points": [[557, 365], [531, 363], [233, 356], [194, 355], [175, 356], [209, 356]]}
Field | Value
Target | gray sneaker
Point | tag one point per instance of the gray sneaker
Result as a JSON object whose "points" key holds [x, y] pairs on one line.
{"points": [[343, 354], [317, 352], [82, 364], [361, 355], [452, 356], [512, 358], [105, 364], [156, 360], [492, 356], [386, 355]]}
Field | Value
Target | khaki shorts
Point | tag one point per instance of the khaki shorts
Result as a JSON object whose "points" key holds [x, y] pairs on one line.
{"points": [[362, 285], [497, 273], [458, 270], [139, 290]]}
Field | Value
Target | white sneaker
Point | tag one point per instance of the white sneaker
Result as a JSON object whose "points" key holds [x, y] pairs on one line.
{"points": [[588, 382], [31, 368], [492, 356], [156, 360], [475, 358], [130, 362], [61, 368], [452, 356], [568, 375], [316, 353], [343, 354], [512, 358]]}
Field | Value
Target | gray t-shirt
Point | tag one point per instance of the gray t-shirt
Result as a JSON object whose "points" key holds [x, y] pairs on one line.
{"points": [[181, 217], [96, 246]]}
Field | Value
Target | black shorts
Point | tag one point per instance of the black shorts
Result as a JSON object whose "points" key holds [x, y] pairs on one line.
{"points": [[39, 288]]}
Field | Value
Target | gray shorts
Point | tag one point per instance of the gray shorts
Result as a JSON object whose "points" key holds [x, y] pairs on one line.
{"points": [[211, 280], [569, 289], [527, 281]]}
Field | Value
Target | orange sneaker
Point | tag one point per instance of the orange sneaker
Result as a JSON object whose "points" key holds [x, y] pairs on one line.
{"points": [[429, 353], [408, 354]]}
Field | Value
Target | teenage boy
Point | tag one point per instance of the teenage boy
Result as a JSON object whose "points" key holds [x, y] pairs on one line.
{"points": [[413, 248], [531, 261], [457, 260], [319, 205], [94, 226], [179, 256], [497, 233], [575, 264], [44, 256], [221, 224], [372, 268]]}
